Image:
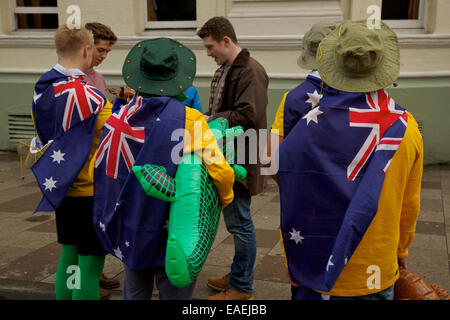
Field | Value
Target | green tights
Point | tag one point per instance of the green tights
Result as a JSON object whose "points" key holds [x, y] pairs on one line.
{"points": [[77, 276]]}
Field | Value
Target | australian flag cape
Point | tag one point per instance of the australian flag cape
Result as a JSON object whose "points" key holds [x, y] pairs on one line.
{"points": [[65, 110], [301, 99], [332, 166], [131, 225]]}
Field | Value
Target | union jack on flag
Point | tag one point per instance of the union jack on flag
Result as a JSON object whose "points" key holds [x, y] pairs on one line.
{"points": [[81, 98], [115, 143], [381, 115], [65, 109]]}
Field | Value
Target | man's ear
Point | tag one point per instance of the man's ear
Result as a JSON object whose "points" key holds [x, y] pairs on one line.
{"points": [[86, 50], [227, 40]]}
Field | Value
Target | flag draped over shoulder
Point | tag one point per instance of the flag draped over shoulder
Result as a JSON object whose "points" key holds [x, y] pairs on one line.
{"points": [[131, 225], [331, 170], [65, 110], [301, 99]]}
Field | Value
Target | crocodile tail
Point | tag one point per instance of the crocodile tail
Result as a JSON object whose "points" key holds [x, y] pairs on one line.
{"points": [[177, 265], [156, 182]]}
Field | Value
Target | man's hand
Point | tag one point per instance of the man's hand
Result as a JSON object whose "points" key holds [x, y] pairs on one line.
{"points": [[402, 263], [206, 117], [122, 93]]}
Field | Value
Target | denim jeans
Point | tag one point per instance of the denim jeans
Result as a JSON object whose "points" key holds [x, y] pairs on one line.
{"points": [[386, 294], [239, 223], [138, 285]]}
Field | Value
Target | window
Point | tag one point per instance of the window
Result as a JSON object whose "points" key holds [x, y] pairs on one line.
{"points": [[403, 14], [171, 14], [35, 14]]}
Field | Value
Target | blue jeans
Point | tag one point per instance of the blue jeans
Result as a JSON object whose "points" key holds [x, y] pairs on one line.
{"points": [[138, 285], [386, 294], [239, 223]]}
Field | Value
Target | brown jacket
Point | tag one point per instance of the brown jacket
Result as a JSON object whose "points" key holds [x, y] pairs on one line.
{"points": [[244, 102]]}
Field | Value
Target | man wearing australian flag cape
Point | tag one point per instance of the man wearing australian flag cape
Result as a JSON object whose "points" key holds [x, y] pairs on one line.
{"points": [[69, 115], [306, 96], [350, 172], [130, 224]]}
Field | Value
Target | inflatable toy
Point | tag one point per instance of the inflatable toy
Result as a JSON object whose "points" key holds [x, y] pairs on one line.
{"points": [[195, 208]]}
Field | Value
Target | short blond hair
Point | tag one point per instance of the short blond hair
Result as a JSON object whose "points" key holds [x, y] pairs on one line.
{"points": [[69, 41]]}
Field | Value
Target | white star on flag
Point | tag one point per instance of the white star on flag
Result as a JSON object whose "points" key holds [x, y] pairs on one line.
{"points": [[166, 226], [50, 184], [314, 99], [330, 263], [58, 156], [102, 226], [325, 297], [127, 244], [295, 235], [346, 260], [118, 253], [312, 116]]}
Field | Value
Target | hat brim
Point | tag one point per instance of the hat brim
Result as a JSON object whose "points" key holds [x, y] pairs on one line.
{"points": [[135, 79], [306, 61], [334, 75]]}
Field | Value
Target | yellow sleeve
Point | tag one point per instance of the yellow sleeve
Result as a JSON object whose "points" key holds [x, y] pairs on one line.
{"points": [[201, 140], [411, 198], [279, 117], [103, 115]]}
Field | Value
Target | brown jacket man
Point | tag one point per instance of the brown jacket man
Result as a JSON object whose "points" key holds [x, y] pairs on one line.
{"points": [[243, 101], [239, 94]]}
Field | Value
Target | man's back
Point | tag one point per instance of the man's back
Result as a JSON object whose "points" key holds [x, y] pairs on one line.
{"points": [[394, 224]]}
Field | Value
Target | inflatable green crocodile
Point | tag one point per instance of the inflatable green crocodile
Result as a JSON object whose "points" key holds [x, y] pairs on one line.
{"points": [[195, 208]]}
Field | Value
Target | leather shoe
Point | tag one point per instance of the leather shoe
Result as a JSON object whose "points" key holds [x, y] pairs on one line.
{"points": [[108, 283], [231, 294], [104, 294], [219, 284]]}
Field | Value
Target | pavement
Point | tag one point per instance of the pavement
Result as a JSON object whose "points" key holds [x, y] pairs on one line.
{"points": [[29, 251]]}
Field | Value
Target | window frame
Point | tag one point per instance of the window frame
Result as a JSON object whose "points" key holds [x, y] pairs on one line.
{"points": [[410, 24], [29, 10], [152, 25]]}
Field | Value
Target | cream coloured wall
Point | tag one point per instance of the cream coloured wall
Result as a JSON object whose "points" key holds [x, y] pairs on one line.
{"points": [[121, 15], [5, 17], [420, 53], [438, 16]]}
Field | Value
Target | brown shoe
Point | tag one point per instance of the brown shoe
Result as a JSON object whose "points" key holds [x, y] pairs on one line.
{"points": [[231, 294], [219, 284], [107, 283], [104, 294]]}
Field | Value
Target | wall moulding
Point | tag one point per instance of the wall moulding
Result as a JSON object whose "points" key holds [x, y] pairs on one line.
{"points": [[275, 42]]}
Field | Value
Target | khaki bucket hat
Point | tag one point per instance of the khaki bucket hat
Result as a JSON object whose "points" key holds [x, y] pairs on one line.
{"points": [[311, 40], [355, 58]]}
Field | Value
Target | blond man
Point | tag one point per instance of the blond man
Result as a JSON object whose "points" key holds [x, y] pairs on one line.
{"points": [[69, 115]]}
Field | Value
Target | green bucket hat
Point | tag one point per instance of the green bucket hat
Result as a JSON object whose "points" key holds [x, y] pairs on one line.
{"points": [[159, 66], [311, 40], [354, 58]]}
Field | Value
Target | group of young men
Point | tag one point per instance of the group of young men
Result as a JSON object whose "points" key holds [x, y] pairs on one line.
{"points": [[349, 162]]}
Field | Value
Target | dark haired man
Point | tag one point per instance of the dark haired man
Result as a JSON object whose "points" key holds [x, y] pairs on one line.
{"points": [[239, 94], [104, 39]]}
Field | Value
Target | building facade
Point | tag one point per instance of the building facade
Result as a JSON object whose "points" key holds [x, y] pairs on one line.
{"points": [[272, 30]]}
